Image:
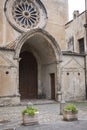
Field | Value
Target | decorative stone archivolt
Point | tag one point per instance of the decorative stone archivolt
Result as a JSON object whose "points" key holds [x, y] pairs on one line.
{"points": [[24, 15], [42, 33]]}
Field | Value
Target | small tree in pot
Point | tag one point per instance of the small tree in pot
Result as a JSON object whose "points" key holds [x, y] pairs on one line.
{"points": [[70, 112], [30, 116]]}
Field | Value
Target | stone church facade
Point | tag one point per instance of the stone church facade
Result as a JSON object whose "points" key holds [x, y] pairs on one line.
{"points": [[39, 57]]}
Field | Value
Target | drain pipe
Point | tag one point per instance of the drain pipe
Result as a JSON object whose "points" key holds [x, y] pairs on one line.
{"points": [[86, 46]]}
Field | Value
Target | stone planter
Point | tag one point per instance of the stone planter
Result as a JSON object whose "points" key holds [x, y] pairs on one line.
{"points": [[68, 115], [30, 120]]}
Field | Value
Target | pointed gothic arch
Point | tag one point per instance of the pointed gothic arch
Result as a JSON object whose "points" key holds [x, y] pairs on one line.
{"points": [[47, 54]]}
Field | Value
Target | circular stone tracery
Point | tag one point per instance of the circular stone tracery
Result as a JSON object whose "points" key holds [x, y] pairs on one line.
{"points": [[25, 13]]}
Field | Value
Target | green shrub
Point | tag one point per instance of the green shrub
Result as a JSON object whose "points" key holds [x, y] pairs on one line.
{"points": [[71, 107], [30, 111]]}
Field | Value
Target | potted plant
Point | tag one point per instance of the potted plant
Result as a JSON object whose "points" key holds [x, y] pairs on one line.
{"points": [[70, 112], [30, 116]]}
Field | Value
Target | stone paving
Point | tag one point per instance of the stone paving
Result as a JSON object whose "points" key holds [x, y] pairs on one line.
{"points": [[11, 117]]}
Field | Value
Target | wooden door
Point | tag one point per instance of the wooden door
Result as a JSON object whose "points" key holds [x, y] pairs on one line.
{"points": [[52, 79], [28, 76]]}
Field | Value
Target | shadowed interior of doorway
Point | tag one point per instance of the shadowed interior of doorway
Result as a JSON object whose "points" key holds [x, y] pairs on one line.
{"points": [[28, 76]]}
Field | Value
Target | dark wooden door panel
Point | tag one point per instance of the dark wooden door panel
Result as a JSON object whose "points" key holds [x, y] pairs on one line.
{"points": [[52, 79], [28, 76]]}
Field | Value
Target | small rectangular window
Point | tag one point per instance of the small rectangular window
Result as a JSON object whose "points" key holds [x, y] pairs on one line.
{"points": [[81, 45]]}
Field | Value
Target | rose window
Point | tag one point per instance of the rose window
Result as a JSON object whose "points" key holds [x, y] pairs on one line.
{"points": [[25, 13]]}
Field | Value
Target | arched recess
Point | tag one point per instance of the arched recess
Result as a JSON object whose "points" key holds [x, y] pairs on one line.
{"points": [[47, 54]]}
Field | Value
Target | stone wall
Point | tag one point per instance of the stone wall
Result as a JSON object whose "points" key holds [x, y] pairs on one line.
{"points": [[73, 77], [75, 30], [57, 12], [7, 33], [8, 78]]}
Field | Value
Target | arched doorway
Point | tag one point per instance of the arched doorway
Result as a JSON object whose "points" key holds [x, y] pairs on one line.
{"points": [[28, 76], [47, 56]]}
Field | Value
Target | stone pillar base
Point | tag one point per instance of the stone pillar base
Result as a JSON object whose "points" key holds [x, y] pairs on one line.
{"points": [[9, 100], [59, 96]]}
